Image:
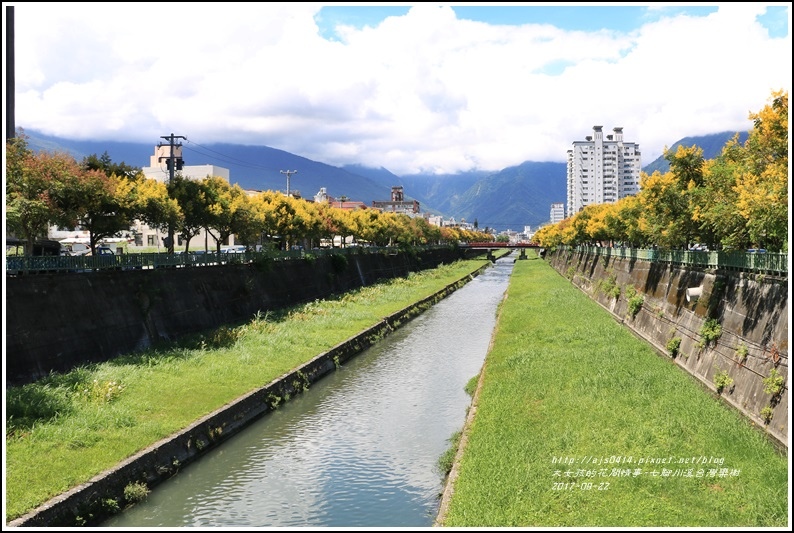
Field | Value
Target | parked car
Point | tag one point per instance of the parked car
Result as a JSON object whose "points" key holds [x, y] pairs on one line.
{"points": [[106, 258], [236, 249]]}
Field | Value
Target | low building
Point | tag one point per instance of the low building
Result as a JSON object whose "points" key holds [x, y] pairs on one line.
{"points": [[398, 204], [159, 169], [557, 212], [340, 203]]}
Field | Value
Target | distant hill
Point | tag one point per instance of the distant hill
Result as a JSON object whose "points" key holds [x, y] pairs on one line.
{"points": [[514, 197], [251, 167], [711, 144], [511, 198]]}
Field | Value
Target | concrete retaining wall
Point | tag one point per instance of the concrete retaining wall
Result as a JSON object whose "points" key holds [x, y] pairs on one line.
{"points": [[752, 311], [86, 504], [56, 322]]}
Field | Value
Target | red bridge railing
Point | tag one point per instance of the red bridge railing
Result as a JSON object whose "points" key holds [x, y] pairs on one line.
{"points": [[500, 245]]}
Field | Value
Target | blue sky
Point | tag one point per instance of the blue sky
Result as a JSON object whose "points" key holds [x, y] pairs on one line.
{"points": [[592, 17], [424, 88]]}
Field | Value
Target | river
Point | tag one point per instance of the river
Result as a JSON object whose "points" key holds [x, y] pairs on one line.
{"points": [[360, 448]]}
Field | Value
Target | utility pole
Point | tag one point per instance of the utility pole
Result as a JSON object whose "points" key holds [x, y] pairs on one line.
{"points": [[174, 163], [288, 173], [10, 76]]}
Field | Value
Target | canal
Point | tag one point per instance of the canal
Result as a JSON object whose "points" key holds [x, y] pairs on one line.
{"points": [[360, 448]]}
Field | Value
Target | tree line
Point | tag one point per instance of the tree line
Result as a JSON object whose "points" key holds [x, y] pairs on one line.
{"points": [[45, 189], [735, 201]]}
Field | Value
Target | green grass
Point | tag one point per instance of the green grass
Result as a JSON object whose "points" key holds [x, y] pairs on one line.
{"points": [[564, 380], [63, 430], [447, 458]]}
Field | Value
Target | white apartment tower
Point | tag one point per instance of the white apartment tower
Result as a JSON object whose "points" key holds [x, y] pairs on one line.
{"points": [[602, 171]]}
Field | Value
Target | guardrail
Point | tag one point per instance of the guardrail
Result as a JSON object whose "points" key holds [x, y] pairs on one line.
{"points": [[18, 265], [763, 263]]}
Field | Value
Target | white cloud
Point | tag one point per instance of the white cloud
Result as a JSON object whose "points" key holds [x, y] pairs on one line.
{"points": [[421, 92]]}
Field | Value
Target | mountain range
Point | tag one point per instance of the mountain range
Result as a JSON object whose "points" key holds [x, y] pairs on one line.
{"points": [[509, 199]]}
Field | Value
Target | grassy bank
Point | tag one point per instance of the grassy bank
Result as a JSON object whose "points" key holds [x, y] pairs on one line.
{"points": [[566, 387], [67, 428]]}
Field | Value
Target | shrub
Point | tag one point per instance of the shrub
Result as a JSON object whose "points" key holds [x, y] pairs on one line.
{"points": [[111, 505], [136, 492], [673, 345], [710, 332], [741, 352], [773, 384], [722, 380], [766, 414], [635, 301], [610, 287]]}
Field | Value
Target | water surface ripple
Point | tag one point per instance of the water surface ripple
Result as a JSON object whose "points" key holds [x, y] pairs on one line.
{"points": [[360, 447]]}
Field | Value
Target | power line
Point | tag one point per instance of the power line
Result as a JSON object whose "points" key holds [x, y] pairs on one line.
{"points": [[226, 158]]}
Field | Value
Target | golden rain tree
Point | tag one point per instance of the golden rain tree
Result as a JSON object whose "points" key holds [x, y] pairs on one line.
{"points": [[193, 207], [152, 204], [743, 198], [228, 207], [762, 176]]}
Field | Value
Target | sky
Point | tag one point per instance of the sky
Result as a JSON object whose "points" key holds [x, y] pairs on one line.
{"points": [[424, 88]]}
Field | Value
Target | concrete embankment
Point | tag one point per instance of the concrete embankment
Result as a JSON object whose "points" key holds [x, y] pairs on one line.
{"points": [[56, 322], [676, 302], [164, 459]]}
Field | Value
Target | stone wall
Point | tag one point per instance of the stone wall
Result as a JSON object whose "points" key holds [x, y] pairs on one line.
{"points": [[751, 309], [56, 322]]}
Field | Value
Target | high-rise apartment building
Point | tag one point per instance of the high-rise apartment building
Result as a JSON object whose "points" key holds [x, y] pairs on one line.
{"points": [[602, 171]]}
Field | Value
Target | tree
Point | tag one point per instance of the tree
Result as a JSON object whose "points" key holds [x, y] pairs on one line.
{"points": [[152, 204], [665, 209], [227, 208], [714, 204], [596, 227], [743, 200], [625, 223], [371, 225], [101, 204], [762, 176], [34, 185], [193, 206], [450, 235], [106, 165]]}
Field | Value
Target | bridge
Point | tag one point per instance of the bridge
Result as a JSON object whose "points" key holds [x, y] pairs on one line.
{"points": [[490, 247], [500, 245]]}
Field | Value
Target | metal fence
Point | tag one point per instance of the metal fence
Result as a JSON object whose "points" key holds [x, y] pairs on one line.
{"points": [[17, 265], [759, 262]]}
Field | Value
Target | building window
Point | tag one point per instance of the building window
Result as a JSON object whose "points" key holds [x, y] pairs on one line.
{"points": [[151, 240]]}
